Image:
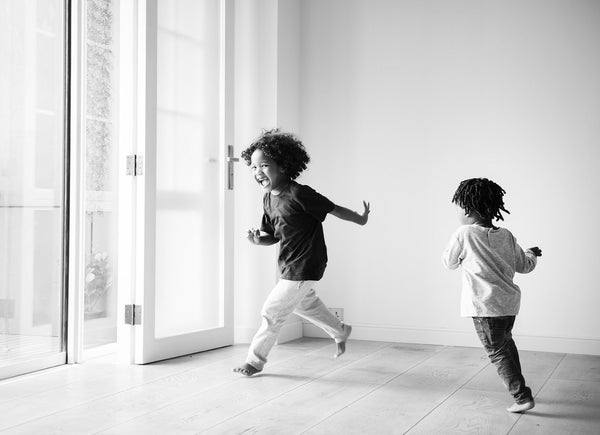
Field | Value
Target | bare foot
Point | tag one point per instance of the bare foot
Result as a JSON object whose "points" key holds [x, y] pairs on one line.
{"points": [[516, 407], [341, 346], [246, 370]]}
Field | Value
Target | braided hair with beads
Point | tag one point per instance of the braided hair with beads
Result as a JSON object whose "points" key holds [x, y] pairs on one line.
{"points": [[481, 196]]}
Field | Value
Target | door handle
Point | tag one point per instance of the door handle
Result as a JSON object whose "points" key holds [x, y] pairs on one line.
{"points": [[230, 161]]}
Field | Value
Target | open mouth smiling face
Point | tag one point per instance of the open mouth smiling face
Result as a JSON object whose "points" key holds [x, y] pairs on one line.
{"points": [[263, 181], [267, 173]]}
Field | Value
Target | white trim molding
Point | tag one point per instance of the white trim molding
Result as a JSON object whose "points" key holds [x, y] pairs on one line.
{"points": [[447, 337]]}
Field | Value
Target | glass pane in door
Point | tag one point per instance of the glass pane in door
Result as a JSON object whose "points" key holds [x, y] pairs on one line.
{"points": [[32, 136], [188, 199], [101, 99]]}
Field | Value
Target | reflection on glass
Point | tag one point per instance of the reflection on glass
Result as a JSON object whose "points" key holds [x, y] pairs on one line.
{"points": [[31, 180], [188, 293]]}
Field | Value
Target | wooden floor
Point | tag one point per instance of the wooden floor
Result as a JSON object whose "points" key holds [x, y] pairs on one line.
{"points": [[375, 388]]}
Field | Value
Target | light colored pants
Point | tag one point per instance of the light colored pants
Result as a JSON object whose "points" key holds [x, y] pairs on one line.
{"points": [[286, 298]]}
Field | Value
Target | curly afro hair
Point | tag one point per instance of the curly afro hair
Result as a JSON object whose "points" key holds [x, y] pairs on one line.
{"points": [[482, 196], [284, 148]]}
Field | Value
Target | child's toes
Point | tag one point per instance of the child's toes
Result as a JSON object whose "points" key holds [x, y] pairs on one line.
{"points": [[246, 370]]}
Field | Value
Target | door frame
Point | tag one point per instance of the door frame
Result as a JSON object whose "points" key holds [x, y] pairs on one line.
{"points": [[76, 203]]}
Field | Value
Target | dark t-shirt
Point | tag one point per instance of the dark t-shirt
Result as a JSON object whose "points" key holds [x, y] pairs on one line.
{"points": [[294, 217]]}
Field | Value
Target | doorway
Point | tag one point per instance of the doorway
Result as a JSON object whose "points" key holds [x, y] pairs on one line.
{"points": [[157, 90]]}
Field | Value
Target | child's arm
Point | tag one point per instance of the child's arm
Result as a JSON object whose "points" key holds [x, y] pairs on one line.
{"points": [[527, 260], [451, 256], [261, 238], [352, 216]]}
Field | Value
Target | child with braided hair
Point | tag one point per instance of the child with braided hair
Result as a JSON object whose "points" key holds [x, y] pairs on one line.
{"points": [[293, 216], [489, 256]]}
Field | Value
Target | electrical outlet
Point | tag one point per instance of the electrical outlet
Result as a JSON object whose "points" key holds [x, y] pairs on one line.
{"points": [[338, 312]]}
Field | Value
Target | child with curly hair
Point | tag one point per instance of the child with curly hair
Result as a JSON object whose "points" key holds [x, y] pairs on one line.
{"points": [[293, 216], [489, 257]]}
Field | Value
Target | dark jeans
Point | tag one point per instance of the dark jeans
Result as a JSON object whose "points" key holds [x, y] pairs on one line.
{"points": [[495, 335]]}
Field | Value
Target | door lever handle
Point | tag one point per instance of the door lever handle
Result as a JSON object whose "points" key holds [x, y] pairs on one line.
{"points": [[230, 161]]}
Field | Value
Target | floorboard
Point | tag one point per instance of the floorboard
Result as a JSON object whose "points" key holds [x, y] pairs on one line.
{"points": [[375, 388]]}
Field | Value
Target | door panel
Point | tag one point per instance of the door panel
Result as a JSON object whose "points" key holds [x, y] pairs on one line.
{"points": [[185, 285]]}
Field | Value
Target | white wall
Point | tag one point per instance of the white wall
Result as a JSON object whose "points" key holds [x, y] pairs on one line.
{"points": [[400, 101]]}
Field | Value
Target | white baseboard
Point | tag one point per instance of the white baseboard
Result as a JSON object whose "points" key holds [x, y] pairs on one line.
{"points": [[459, 338]]}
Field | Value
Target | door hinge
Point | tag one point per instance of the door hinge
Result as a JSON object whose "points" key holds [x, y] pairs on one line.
{"points": [[133, 314], [134, 165]]}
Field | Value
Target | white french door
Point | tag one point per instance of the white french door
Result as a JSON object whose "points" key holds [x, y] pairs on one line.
{"points": [[179, 248], [33, 187]]}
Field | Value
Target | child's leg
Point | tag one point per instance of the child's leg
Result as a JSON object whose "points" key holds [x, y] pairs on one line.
{"points": [[496, 337], [512, 348], [277, 307], [518, 406], [315, 311]]}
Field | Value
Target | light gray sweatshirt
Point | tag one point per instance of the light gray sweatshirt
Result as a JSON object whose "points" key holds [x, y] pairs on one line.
{"points": [[489, 258]]}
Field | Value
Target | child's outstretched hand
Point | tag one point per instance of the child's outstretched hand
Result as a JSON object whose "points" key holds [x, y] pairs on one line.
{"points": [[253, 236], [352, 216], [536, 251], [365, 215]]}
